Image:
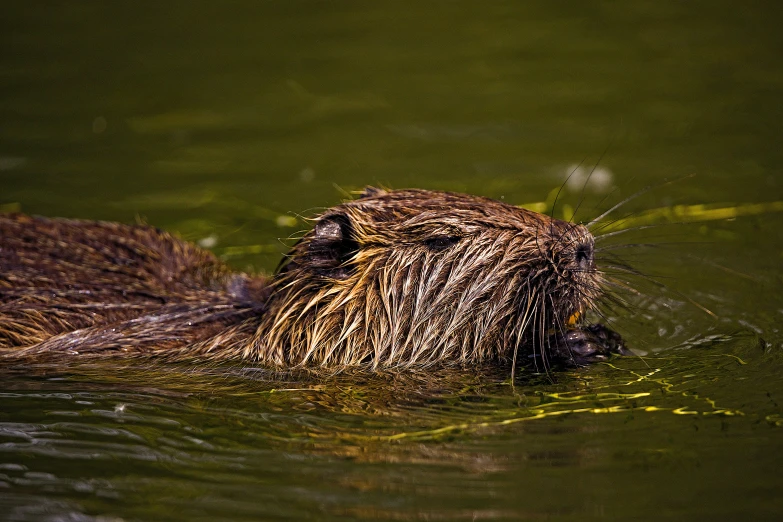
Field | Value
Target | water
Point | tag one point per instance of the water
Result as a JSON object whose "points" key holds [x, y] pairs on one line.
{"points": [[229, 123]]}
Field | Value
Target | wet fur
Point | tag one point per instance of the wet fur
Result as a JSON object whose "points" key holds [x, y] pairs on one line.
{"points": [[396, 279]]}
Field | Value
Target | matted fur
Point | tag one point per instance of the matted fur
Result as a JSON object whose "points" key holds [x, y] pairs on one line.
{"points": [[408, 278]]}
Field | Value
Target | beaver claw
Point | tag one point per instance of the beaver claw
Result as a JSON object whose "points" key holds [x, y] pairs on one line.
{"points": [[586, 344]]}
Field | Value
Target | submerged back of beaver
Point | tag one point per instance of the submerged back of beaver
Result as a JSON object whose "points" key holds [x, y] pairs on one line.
{"points": [[392, 279]]}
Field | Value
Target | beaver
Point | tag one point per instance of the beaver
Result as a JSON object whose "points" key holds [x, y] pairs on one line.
{"points": [[392, 279]]}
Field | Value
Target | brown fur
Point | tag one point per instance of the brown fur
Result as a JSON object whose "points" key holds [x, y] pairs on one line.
{"points": [[394, 279]]}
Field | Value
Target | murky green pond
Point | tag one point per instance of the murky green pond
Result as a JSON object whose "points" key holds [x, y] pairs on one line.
{"points": [[230, 122]]}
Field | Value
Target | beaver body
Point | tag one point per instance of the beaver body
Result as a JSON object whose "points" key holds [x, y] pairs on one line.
{"points": [[407, 278]]}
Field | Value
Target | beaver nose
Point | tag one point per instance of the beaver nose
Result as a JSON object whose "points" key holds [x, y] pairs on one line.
{"points": [[584, 255]]}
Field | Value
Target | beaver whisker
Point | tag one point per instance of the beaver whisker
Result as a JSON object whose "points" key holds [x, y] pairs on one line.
{"points": [[589, 176], [648, 277], [613, 281], [630, 198], [641, 192], [676, 292], [600, 228], [612, 303], [607, 258], [607, 235], [562, 186], [614, 299], [610, 248], [607, 269]]}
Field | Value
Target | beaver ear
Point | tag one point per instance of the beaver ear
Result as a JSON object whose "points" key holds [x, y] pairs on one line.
{"points": [[370, 192], [331, 228], [332, 247]]}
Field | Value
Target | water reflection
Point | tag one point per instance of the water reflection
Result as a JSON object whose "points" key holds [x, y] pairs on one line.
{"points": [[348, 444]]}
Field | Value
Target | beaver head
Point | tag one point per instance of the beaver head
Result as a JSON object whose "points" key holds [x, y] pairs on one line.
{"points": [[415, 278]]}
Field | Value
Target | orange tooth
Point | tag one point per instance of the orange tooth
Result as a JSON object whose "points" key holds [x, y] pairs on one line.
{"points": [[574, 318]]}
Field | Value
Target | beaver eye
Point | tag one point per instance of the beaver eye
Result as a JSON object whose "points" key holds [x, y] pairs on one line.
{"points": [[439, 243]]}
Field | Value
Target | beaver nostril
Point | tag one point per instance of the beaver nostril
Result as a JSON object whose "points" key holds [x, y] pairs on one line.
{"points": [[584, 255]]}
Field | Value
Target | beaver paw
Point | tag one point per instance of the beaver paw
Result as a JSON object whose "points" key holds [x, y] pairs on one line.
{"points": [[587, 344]]}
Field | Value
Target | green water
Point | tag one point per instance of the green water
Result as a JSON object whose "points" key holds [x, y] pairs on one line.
{"points": [[229, 122]]}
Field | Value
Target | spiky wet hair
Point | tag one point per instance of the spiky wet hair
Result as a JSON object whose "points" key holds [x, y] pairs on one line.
{"points": [[417, 278], [392, 279]]}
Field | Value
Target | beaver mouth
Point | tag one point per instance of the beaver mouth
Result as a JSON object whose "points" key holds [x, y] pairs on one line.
{"points": [[574, 318]]}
